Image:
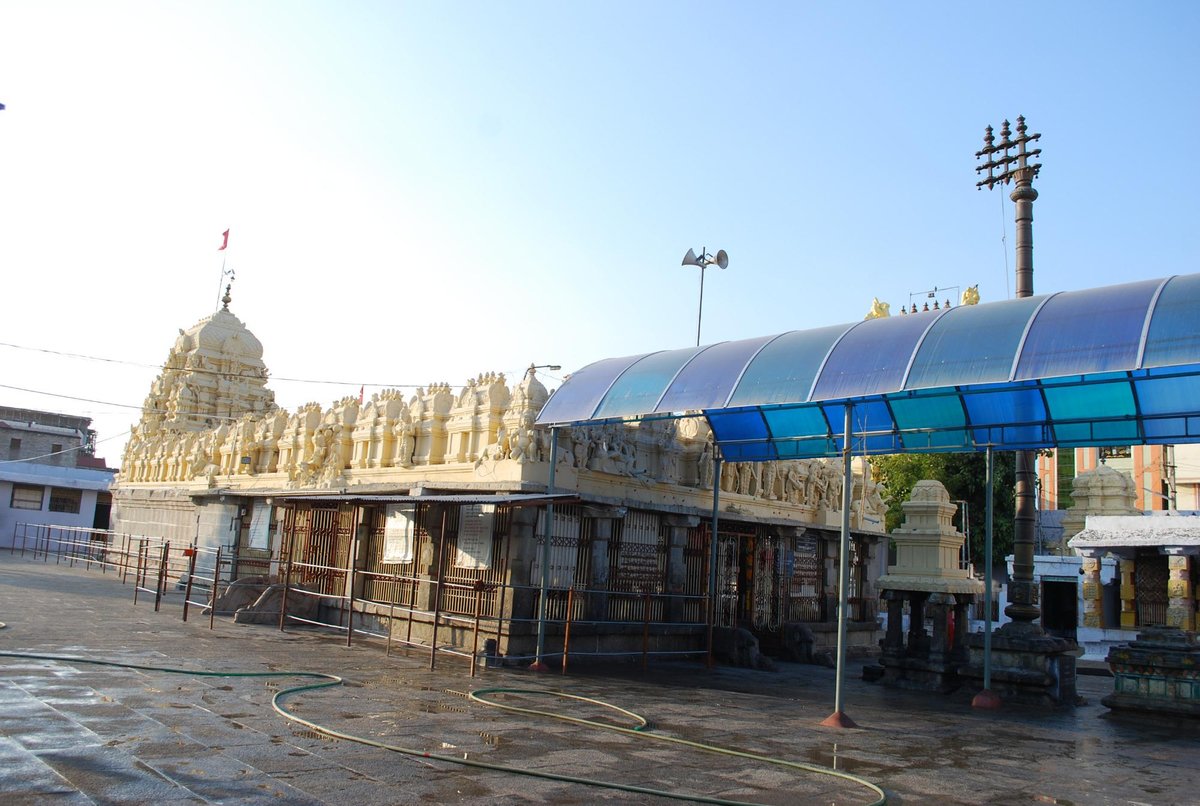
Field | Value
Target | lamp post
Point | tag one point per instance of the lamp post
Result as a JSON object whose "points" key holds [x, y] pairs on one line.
{"points": [[1010, 160], [721, 259], [539, 665]]}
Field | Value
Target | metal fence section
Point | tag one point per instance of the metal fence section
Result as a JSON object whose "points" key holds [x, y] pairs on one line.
{"points": [[439, 579]]}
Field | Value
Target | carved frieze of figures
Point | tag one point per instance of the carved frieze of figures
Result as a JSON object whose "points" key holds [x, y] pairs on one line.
{"points": [[483, 422]]}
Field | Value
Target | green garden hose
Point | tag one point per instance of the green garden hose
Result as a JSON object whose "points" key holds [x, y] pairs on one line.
{"points": [[480, 696]]}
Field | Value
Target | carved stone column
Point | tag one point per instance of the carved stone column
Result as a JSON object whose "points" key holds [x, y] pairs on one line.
{"points": [[958, 647], [522, 594], [893, 641], [429, 561], [1181, 607], [604, 520], [1093, 591], [918, 641], [938, 606], [677, 532], [1128, 594]]}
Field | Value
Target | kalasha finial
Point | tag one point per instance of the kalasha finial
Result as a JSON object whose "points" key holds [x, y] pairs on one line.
{"points": [[1021, 126], [1005, 132], [227, 299], [988, 138]]}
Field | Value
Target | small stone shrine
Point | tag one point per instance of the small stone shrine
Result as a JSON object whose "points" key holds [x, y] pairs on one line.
{"points": [[1159, 672], [928, 581]]}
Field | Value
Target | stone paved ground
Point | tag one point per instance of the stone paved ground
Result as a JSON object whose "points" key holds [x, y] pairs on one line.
{"points": [[74, 733]]}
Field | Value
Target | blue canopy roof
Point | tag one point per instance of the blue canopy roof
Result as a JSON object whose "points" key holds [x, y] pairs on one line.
{"points": [[1118, 365]]}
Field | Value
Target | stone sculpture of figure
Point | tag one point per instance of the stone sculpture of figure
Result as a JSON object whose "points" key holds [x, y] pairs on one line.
{"points": [[317, 450], [833, 487], [579, 448], [333, 465], [704, 466], [500, 449], [745, 477], [769, 476], [971, 295], [403, 433], [790, 482], [874, 505], [729, 478], [521, 448], [196, 457], [878, 309]]}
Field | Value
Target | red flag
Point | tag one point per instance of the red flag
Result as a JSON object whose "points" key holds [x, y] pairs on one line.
{"points": [[225, 240]]}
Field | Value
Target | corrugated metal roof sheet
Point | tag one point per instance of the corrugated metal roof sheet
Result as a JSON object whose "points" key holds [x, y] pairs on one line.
{"points": [[1117, 365]]}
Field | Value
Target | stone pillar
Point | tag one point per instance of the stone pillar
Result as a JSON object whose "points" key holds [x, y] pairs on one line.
{"points": [[893, 641], [958, 647], [918, 641], [519, 609], [677, 532], [429, 563], [1181, 607], [829, 567], [1128, 594], [938, 606], [603, 521], [1093, 591]]}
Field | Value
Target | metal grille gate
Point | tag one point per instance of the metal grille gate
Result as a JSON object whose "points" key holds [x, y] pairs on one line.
{"points": [[1150, 589]]}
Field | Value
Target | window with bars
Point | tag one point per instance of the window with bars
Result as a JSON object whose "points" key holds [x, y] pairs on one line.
{"points": [[64, 500], [27, 496]]}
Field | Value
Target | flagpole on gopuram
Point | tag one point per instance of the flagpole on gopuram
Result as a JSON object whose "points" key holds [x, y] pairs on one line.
{"points": [[224, 273]]}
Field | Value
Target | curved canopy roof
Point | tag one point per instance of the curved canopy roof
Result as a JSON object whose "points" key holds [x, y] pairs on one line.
{"points": [[1118, 365]]}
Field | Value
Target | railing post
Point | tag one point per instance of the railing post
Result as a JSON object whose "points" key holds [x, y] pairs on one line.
{"points": [[287, 581], [187, 590], [567, 627], [437, 591], [164, 552], [392, 610], [351, 562], [137, 573], [645, 630], [124, 557], [475, 632], [212, 591]]}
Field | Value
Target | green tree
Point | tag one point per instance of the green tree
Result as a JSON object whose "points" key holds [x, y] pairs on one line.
{"points": [[964, 477]]}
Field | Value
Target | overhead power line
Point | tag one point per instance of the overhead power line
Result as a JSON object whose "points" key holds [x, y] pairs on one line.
{"points": [[267, 376]]}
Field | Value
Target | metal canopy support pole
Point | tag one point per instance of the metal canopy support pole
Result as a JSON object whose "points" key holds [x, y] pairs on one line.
{"points": [[712, 554], [539, 664], [838, 718], [987, 698]]}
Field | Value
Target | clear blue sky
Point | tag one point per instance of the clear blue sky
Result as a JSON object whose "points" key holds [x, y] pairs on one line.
{"points": [[424, 191]]}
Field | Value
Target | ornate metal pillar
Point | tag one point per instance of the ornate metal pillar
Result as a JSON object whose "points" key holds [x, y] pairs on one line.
{"points": [[1009, 161]]}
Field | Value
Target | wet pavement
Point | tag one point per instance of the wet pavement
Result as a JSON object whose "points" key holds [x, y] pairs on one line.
{"points": [[78, 733]]}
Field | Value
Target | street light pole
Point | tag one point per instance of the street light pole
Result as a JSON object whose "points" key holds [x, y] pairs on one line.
{"points": [[721, 259]]}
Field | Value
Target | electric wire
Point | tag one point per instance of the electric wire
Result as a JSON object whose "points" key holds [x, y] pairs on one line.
{"points": [[219, 373], [326, 680]]}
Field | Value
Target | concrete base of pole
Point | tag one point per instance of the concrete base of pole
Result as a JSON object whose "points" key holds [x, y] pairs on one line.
{"points": [[838, 719], [538, 666], [986, 700]]}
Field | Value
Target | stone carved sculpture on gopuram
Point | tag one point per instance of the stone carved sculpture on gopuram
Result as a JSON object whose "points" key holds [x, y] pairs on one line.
{"points": [[210, 420]]}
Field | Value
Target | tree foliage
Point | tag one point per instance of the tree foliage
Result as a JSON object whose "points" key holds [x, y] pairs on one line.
{"points": [[964, 477]]}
